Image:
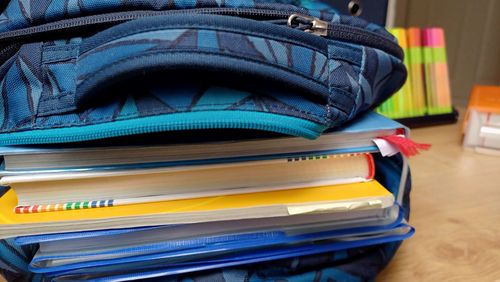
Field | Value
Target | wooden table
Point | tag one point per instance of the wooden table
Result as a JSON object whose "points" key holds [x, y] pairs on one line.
{"points": [[455, 210]]}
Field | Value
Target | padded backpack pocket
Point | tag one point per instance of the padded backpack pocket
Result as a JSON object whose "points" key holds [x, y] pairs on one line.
{"points": [[181, 72]]}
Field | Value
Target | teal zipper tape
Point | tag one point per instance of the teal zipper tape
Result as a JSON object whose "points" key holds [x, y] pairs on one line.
{"points": [[171, 122]]}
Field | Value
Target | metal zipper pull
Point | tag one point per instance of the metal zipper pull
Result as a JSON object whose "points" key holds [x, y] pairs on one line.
{"points": [[308, 24]]}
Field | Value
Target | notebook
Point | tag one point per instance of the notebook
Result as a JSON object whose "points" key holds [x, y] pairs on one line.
{"points": [[46, 192], [342, 198]]}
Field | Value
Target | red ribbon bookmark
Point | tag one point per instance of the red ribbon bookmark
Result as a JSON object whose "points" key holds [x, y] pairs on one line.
{"points": [[406, 146]]}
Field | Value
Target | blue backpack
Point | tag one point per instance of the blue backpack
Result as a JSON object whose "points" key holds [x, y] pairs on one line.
{"points": [[81, 70]]}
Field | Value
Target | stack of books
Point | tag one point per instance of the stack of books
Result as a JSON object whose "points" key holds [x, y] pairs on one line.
{"points": [[125, 212], [426, 93]]}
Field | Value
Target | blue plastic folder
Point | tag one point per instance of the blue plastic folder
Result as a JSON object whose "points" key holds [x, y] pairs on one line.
{"points": [[187, 252], [35, 239], [164, 267], [183, 249]]}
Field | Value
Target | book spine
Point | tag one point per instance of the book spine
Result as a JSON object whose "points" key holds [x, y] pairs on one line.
{"points": [[402, 104], [371, 166], [406, 90], [416, 70], [443, 99], [399, 101], [390, 107], [429, 75], [436, 71]]}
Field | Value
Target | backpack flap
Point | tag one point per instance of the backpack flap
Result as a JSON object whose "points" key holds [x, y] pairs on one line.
{"points": [[290, 73]]}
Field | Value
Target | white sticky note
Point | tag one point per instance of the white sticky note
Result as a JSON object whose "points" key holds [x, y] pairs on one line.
{"points": [[385, 148], [332, 207]]}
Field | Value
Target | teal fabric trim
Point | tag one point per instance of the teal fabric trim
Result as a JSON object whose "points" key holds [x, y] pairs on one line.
{"points": [[170, 122]]}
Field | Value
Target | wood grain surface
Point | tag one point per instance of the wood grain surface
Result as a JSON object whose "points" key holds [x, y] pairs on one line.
{"points": [[455, 209]]}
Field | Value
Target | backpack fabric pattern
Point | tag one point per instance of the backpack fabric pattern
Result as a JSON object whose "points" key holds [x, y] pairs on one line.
{"points": [[22, 14], [45, 84]]}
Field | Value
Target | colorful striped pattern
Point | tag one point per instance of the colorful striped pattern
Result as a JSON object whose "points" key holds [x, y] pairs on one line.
{"points": [[322, 157], [427, 89], [64, 207]]}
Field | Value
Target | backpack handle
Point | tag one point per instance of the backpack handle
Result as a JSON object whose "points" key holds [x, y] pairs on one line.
{"points": [[227, 46], [202, 43]]}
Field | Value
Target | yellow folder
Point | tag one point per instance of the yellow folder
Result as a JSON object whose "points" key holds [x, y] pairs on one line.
{"points": [[296, 198]]}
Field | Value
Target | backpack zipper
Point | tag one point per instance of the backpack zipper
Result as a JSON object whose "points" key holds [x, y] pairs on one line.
{"points": [[312, 25], [351, 34], [164, 123], [295, 19], [120, 17]]}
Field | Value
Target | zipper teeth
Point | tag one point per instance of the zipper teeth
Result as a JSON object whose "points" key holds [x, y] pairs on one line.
{"points": [[7, 52], [373, 39], [126, 16], [50, 139], [369, 38]]}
